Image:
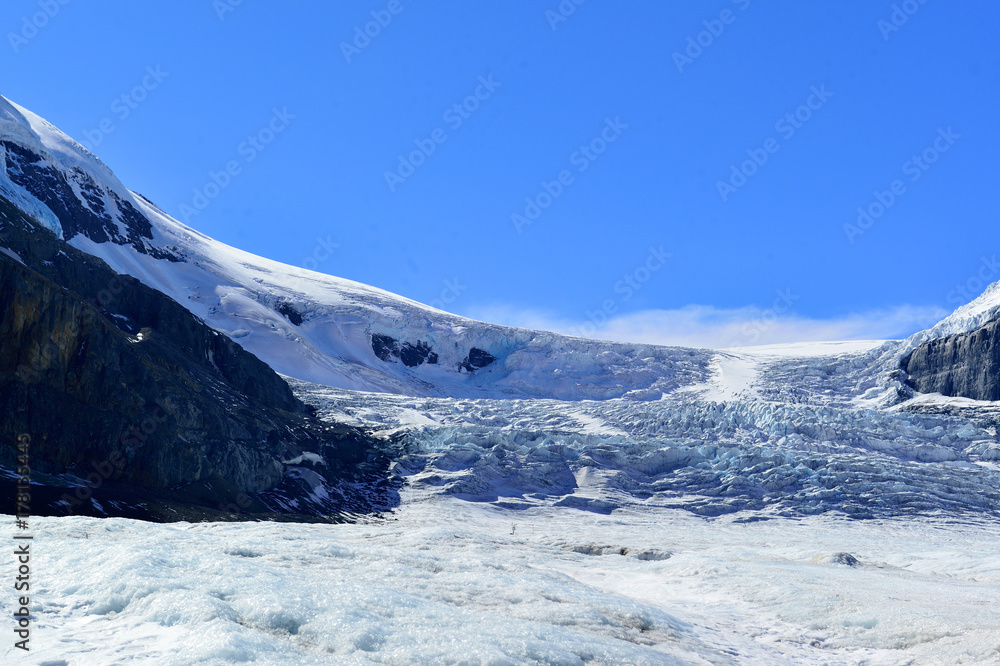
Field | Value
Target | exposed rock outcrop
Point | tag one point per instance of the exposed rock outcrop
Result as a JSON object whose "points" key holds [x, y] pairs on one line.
{"points": [[289, 311], [477, 358], [114, 379], [411, 354], [52, 187], [965, 365]]}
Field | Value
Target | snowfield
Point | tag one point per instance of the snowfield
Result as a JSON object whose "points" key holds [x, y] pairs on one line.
{"points": [[448, 582]]}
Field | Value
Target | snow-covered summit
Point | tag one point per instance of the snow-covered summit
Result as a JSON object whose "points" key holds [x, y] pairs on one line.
{"points": [[19, 124], [967, 318], [305, 324]]}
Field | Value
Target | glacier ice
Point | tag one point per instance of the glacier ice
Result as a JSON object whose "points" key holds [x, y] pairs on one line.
{"points": [[444, 581]]}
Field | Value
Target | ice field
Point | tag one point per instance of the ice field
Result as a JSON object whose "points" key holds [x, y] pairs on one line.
{"points": [[452, 582]]}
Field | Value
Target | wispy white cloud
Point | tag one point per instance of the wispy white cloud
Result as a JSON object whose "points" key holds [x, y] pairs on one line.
{"points": [[718, 328]]}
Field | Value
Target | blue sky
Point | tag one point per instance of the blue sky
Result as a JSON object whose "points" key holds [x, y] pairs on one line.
{"points": [[674, 172]]}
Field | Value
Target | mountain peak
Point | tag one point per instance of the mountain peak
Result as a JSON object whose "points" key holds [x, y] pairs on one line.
{"points": [[20, 124]]}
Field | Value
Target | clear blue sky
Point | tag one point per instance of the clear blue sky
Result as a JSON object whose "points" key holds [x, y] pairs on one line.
{"points": [[682, 124]]}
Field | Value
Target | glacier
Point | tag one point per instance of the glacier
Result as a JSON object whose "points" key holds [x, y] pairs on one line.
{"points": [[444, 581], [777, 434], [564, 500]]}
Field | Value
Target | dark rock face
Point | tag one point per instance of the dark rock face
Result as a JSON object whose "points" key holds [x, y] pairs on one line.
{"points": [[94, 220], [288, 311], [118, 383], [477, 358], [413, 355], [966, 365], [387, 348]]}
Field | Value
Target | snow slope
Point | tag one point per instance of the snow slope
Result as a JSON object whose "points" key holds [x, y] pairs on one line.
{"points": [[14, 125], [967, 318], [258, 302]]}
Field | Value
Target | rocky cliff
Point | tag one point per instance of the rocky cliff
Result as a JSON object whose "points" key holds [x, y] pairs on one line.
{"points": [[131, 398], [965, 365]]}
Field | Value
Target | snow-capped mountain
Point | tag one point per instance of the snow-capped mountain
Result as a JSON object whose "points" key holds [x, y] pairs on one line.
{"points": [[711, 486], [770, 409], [340, 333], [304, 324]]}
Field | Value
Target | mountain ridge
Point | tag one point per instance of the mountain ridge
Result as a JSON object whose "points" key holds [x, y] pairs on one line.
{"points": [[309, 325], [334, 331]]}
